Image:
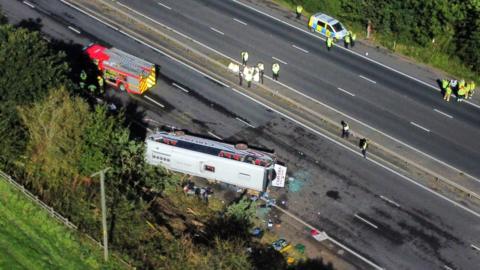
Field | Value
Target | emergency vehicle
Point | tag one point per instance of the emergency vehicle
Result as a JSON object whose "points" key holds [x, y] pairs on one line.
{"points": [[233, 164], [122, 70], [327, 26]]}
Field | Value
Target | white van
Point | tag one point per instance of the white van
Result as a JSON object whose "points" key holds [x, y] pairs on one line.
{"points": [[327, 26]]}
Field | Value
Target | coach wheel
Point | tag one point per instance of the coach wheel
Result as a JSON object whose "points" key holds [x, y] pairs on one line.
{"points": [[241, 146]]}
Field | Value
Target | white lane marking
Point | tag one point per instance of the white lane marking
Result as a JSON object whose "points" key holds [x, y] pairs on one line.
{"points": [[389, 201], [333, 240], [366, 221], [440, 112], [292, 89], [347, 50], [216, 30], [365, 78], [279, 60], [89, 15], [241, 22], [165, 6], [345, 91], [181, 88], [215, 136], [420, 127], [74, 30], [154, 101], [298, 48], [29, 4], [243, 121], [355, 152], [447, 267], [294, 120], [475, 247]]}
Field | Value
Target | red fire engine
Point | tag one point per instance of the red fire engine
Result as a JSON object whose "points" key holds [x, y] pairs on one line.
{"points": [[123, 70]]}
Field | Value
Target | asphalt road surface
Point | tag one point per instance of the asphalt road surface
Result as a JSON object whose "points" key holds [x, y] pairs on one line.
{"points": [[392, 103], [377, 213]]}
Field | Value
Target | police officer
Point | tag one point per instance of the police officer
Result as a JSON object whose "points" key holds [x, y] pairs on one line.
{"points": [[345, 129], [329, 43], [448, 93], [472, 89], [248, 72], [353, 36], [299, 11], [461, 93], [244, 55], [261, 69], [346, 40], [363, 146], [275, 70]]}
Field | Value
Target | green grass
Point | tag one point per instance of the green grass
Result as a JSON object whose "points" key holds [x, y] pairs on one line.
{"points": [[31, 239]]}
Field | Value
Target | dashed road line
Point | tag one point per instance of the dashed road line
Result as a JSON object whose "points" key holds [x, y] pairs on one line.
{"points": [[447, 267], [181, 88], [279, 60], [389, 201], [215, 136], [445, 114], [420, 127], [245, 122], [346, 92], [154, 101], [218, 31], [28, 4], [459, 205], [365, 78], [239, 21], [298, 48], [74, 30], [165, 6], [366, 221], [475, 247]]}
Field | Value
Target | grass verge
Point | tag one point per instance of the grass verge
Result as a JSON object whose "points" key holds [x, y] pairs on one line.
{"points": [[30, 239]]}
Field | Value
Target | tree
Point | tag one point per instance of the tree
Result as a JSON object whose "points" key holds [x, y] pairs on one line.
{"points": [[28, 70]]}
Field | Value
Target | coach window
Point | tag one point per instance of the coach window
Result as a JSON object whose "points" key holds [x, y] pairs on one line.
{"points": [[209, 168]]}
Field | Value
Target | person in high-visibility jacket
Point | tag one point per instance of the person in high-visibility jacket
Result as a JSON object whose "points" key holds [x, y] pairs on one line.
{"points": [[353, 36], [472, 89], [100, 83], [329, 43], [461, 93], [275, 71], [444, 84], [261, 68], [448, 92], [299, 11], [244, 55], [346, 40], [248, 74]]}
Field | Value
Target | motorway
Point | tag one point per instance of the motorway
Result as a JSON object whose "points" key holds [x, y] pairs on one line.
{"points": [[398, 106], [377, 213]]}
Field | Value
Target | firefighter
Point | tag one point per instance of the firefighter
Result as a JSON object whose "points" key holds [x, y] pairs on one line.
{"points": [[244, 55], [448, 93], [299, 10], [346, 40], [363, 146], [275, 70], [329, 43], [83, 78], [100, 83], [345, 129], [261, 68]]}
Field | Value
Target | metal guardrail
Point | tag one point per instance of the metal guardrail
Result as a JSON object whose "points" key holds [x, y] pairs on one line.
{"points": [[52, 211]]}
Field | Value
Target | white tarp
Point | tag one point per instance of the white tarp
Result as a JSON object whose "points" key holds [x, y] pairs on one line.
{"points": [[281, 172]]}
